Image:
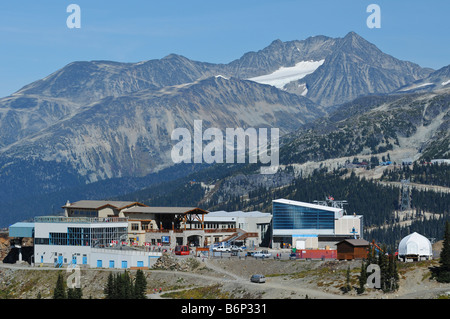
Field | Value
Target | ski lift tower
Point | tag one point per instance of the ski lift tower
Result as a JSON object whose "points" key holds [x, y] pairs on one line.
{"points": [[406, 195]]}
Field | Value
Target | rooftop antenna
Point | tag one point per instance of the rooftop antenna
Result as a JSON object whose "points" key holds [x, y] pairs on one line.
{"points": [[330, 201]]}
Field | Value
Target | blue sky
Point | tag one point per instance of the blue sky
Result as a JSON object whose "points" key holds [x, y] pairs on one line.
{"points": [[35, 40]]}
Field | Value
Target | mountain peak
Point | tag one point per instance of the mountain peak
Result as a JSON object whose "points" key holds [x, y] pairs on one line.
{"points": [[352, 34], [276, 42], [173, 56], [354, 38]]}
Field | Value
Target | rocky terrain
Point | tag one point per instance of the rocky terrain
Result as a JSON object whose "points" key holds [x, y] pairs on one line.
{"points": [[193, 277], [101, 120]]}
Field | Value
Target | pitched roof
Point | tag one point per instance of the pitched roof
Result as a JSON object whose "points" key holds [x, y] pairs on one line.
{"points": [[98, 204], [164, 210], [355, 242]]}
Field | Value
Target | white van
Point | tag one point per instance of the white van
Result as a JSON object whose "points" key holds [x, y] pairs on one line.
{"points": [[258, 278]]}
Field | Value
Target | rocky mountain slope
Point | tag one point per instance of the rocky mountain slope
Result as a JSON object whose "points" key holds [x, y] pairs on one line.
{"points": [[352, 67], [343, 69], [130, 135], [397, 126], [439, 79], [97, 120], [413, 123]]}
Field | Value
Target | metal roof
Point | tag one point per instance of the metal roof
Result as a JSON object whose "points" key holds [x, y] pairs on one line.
{"points": [[164, 210], [21, 229], [355, 242], [98, 204], [337, 211]]}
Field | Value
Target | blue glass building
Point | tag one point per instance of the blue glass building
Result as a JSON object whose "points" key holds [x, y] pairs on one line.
{"points": [[294, 220], [288, 216]]}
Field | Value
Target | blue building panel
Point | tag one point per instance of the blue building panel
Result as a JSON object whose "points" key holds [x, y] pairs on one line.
{"points": [[287, 216], [21, 230]]}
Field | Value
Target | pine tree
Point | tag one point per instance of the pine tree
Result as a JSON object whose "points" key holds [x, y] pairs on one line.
{"points": [[347, 286], [74, 293], [109, 290], [392, 277], [362, 278], [444, 261], [119, 286], [140, 285], [126, 289], [383, 264], [60, 291]]}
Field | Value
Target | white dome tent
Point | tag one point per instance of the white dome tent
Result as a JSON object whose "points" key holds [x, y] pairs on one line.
{"points": [[415, 247]]}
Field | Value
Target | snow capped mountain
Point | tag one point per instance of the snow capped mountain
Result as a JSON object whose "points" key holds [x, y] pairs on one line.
{"points": [[95, 120], [355, 67], [285, 75], [130, 135]]}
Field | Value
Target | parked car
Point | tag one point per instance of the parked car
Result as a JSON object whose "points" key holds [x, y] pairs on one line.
{"points": [[222, 249], [293, 256], [236, 248], [258, 278], [262, 254]]}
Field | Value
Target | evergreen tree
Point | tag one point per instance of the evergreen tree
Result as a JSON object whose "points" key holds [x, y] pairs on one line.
{"points": [[347, 286], [362, 277], [444, 261], [126, 286], [119, 286], [382, 263], [59, 292], [371, 259], [392, 273], [74, 293], [445, 253], [109, 290], [140, 285]]}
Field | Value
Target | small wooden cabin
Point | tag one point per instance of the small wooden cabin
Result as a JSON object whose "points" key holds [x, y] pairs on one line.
{"points": [[349, 249]]}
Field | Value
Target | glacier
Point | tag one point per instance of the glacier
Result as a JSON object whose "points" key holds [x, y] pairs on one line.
{"points": [[285, 75]]}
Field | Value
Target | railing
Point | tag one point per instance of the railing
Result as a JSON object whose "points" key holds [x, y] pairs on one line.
{"points": [[221, 230], [216, 230], [86, 220]]}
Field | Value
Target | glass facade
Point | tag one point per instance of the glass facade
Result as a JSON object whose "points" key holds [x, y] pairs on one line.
{"points": [[85, 236], [286, 216]]}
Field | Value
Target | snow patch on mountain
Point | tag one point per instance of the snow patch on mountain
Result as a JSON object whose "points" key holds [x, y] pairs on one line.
{"points": [[285, 75], [416, 87], [445, 83], [221, 76]]}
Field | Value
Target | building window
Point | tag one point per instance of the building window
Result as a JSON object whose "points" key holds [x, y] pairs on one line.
{"points": [[84, 236], [58, 239], [41, 241], [83, 213], [134, 226], [79, 236], [297, 217]]}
